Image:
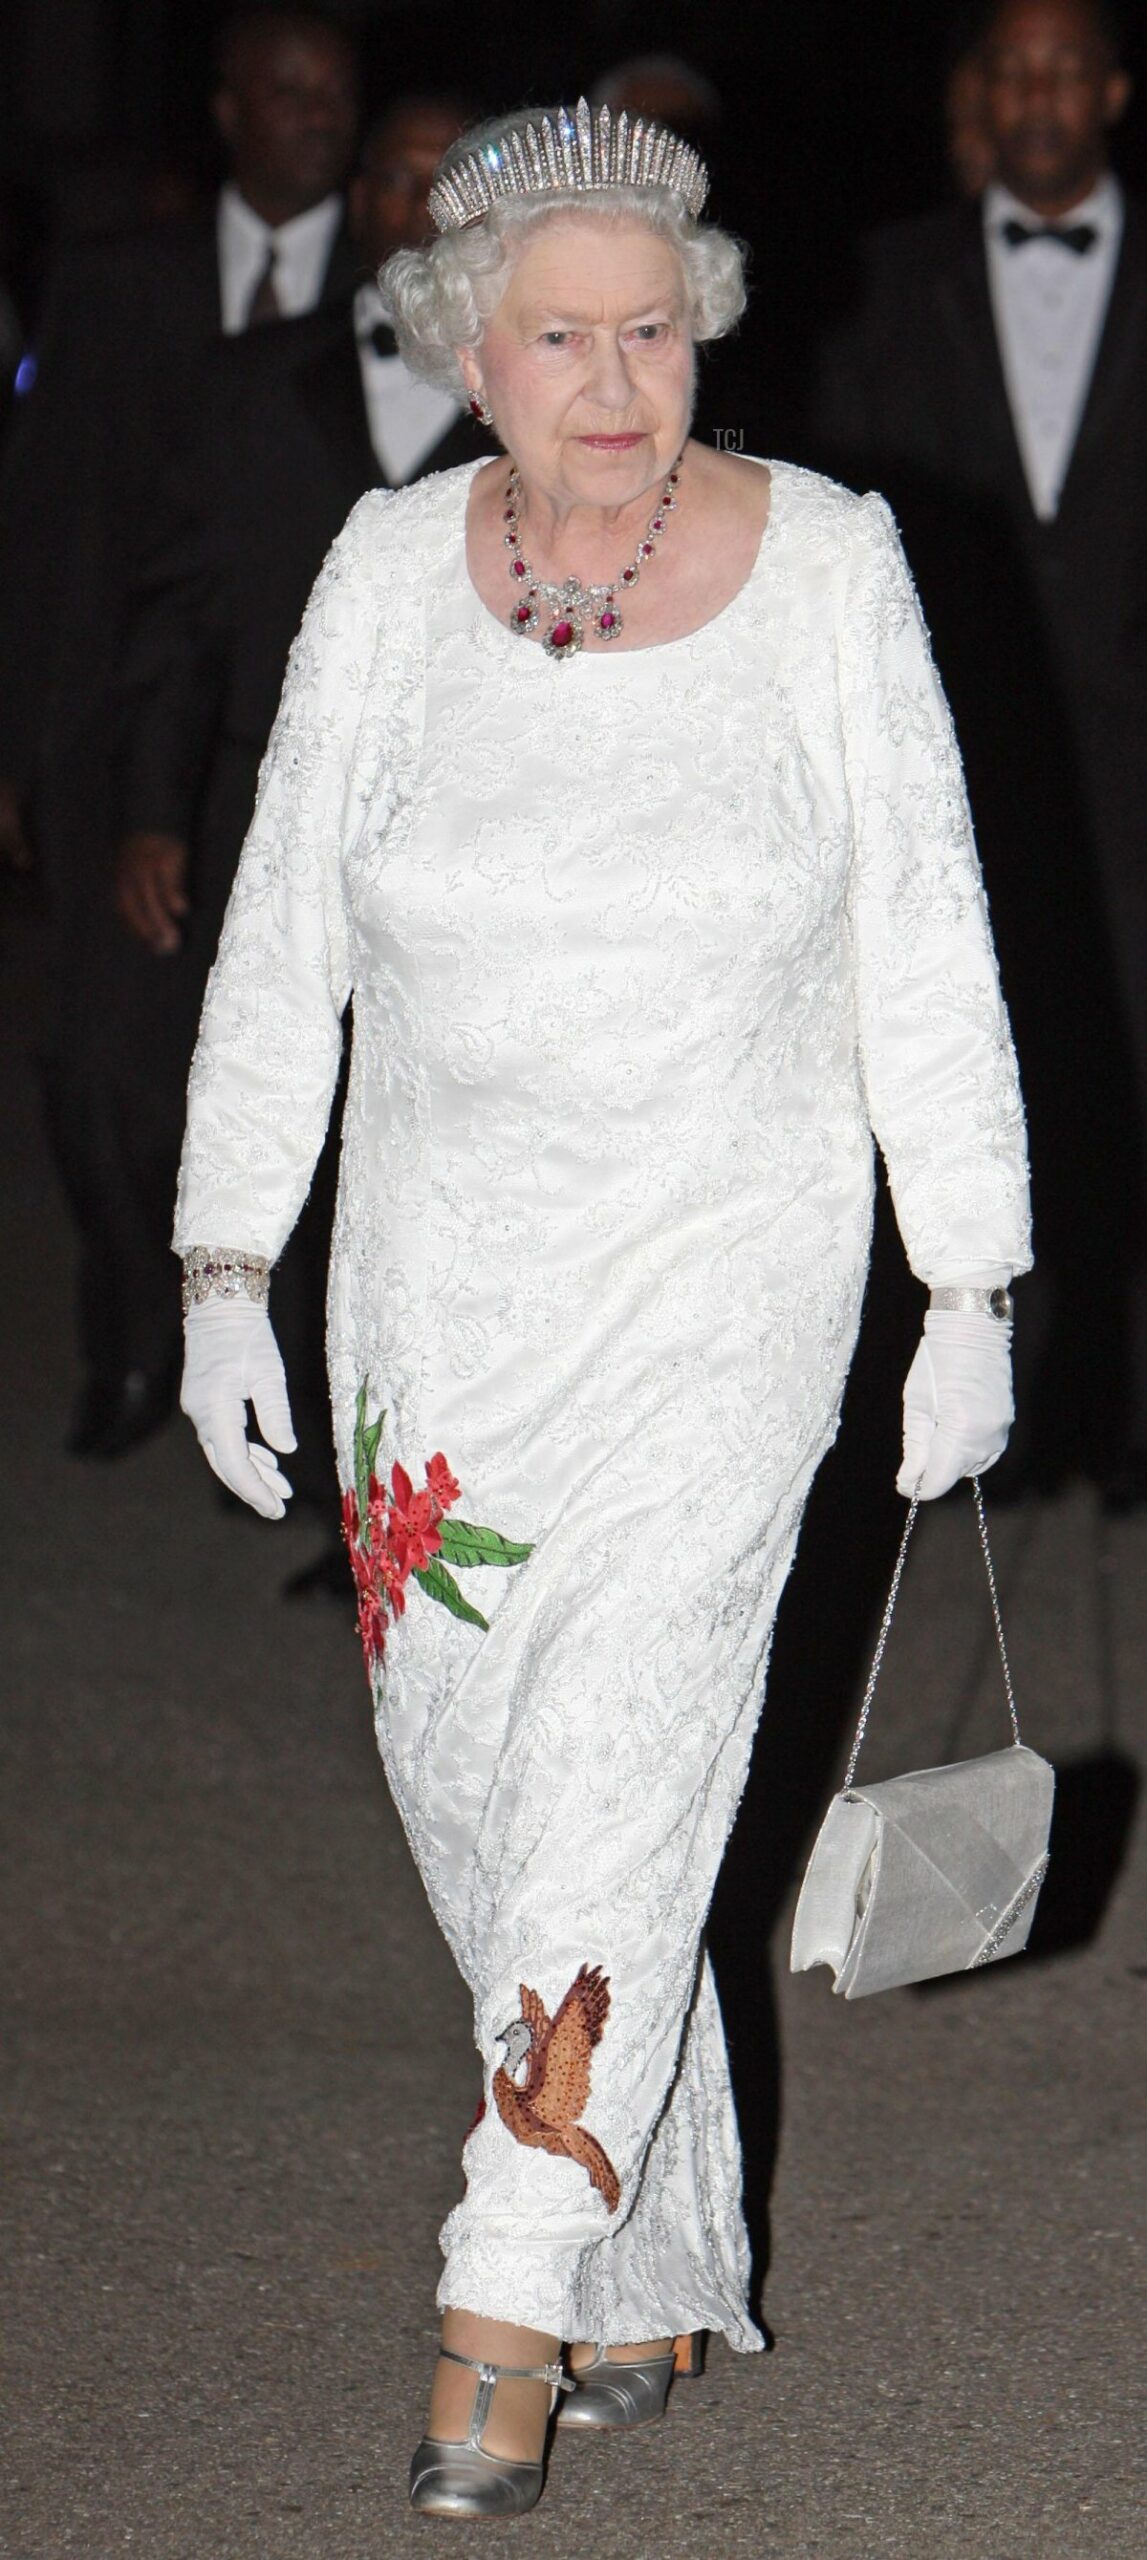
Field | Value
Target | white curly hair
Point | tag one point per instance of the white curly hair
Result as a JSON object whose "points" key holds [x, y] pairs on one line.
{"points": [[441, 297]]}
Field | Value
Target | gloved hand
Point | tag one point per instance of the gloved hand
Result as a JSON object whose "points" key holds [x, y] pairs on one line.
{"points": [[958, 1407], [232, 1358]]}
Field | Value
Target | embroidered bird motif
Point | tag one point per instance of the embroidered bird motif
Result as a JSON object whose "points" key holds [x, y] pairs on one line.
{"points": [[543, 2109]]}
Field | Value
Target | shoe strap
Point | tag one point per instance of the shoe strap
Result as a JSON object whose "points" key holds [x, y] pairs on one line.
{"points": [[551, 2373], [601, 2362], [490, 2375]]}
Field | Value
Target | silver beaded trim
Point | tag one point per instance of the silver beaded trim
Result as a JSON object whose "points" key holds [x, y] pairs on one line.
{"points": [[218, 1271], [567, 153], [1003, 1928]]}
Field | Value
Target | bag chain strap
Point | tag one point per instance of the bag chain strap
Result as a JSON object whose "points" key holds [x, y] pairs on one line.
{"points": [[886, 1622]]}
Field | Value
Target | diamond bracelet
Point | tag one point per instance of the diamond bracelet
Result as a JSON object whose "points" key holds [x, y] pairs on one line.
{"points": [[981, 1302], [217, 1271]]}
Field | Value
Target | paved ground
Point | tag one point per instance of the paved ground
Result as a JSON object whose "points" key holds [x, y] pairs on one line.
{"points": [[242, 2064]]}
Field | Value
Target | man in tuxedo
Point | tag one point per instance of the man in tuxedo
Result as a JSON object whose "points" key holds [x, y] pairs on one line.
{"points": [[992, 381], [300, 421], [297, 424], [120, 368]]}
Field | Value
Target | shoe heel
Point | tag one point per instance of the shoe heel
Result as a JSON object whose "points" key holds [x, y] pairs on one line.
{"points": [[689, 2356]]}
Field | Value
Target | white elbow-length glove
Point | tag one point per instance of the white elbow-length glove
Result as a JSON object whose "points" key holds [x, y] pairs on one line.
{"points": [[958, 1407], [231, 1359]]}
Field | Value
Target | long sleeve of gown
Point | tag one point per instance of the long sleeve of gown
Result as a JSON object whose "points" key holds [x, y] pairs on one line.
{"points": [[939, 1068], [270, 1038]]}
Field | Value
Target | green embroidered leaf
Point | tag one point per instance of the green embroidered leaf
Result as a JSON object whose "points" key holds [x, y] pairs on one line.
{"points": [[361, 1469], [441, 1586], [366, 1439], [462, 1543]]}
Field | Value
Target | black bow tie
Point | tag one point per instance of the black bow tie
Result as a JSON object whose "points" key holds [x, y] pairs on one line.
{"points": [[1079, 237], [382, 339]]}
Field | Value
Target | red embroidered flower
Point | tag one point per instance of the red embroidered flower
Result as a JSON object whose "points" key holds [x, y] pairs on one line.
{"points": [[414, 1533], [444, 1486], [372, 1626], [358, 1553], [377, 1513], [394, 1532], [371, 1609], [392, 1578]]}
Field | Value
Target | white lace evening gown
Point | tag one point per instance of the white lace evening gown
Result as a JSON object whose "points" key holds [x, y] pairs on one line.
{"points": [[642, 946]]}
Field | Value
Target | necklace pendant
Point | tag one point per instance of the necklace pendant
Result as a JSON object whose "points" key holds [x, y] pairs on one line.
{"points": [[570, 606], [564, 637]]}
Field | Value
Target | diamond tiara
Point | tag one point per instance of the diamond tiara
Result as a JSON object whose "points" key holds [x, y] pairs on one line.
{"points": [[568, 152]]}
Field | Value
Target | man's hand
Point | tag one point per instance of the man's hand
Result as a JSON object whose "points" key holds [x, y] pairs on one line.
{"points": [[13, 841], [151, 889]]}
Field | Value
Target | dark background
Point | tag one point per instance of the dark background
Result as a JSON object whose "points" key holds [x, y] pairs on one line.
{"points": [[831, 107]]}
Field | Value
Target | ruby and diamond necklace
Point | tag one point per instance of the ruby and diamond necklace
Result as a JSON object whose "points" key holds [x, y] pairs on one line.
{"points": [[570, 606]]}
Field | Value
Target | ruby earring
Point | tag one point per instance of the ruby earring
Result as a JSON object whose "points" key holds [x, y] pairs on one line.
{"points": [[480, 411]]}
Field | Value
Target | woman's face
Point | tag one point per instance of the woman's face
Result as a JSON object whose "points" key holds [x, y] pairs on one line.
{"points": [[587, 363]]}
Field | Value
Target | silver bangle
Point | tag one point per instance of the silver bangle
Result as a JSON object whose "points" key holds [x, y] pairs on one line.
{"points": [[980, 1302], [218, 1271]]}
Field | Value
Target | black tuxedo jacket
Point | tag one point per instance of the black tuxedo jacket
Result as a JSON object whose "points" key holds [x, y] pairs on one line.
{"points": [[128, 329], [913, 399], [283, 456], [1040, 631]]}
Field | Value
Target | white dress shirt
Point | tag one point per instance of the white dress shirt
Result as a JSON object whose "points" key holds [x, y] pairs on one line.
{"points": [[407, 418], [1050, 305], [302, 254]]}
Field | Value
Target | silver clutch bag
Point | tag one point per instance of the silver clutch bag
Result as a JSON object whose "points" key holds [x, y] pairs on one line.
{"points": [[935, 1872]]}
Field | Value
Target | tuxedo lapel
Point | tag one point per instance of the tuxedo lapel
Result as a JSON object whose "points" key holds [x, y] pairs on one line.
{"points": [[345, 268], [964, 298], [330, 387], [1120, 345], [188, 262]]}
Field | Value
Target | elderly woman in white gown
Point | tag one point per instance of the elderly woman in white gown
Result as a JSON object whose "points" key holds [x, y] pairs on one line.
{"points": [[614, 780]]}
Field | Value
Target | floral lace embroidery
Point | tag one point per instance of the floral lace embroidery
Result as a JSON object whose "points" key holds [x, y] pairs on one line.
{"points": [[394, 1535]]}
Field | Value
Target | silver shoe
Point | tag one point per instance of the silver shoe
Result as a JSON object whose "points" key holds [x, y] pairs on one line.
{"points": [[627, 2395], [462, 2479]]}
